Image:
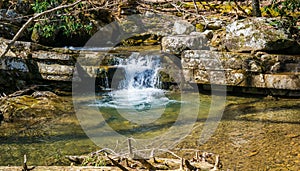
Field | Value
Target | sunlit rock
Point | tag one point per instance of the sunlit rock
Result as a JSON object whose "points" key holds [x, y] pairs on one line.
{"points": [[260, 34], [241, 69], [183, 27], [178, 43]]}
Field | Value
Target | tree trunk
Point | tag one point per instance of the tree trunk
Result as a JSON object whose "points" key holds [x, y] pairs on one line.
{"points": [[256, 8]]}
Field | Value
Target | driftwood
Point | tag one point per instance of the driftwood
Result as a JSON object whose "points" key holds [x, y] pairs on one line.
{"points": [[203, 161]]}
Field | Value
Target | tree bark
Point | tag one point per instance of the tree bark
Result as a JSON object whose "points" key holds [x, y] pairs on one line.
{"points": [[256, 8]]}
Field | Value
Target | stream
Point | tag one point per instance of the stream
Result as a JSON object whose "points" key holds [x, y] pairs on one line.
{"points": [[254, 132]]}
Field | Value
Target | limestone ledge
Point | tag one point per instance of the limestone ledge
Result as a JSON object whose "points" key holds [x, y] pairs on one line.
{"points": [[243, 70], [270, 71]]}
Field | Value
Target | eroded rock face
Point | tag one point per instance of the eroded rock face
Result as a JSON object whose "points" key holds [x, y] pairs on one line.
{"points": [[10, 23], [260, 34]]}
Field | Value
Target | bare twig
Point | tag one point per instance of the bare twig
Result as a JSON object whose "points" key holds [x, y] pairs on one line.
{"points": [[130, 148], [191, 13], [217, 162], [166, 150], [25, 167], [106, 150], [176, 7], [181, 164], [196, 7], [26, 25]]}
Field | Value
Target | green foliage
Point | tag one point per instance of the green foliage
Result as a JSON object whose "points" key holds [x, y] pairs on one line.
{"points": [[289, 5], [289, 9], [284, 8], [64, 21], [39, 7]]}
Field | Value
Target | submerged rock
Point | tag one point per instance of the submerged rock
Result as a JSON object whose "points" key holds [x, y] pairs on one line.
{"points": [[31, 108], [260, 34]]}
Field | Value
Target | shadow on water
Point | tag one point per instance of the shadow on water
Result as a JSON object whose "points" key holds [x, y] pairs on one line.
{"points": [[18, 140], [263, 110]]}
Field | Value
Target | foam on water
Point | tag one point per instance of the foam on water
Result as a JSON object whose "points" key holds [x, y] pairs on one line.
{"points": [[138, 94]]}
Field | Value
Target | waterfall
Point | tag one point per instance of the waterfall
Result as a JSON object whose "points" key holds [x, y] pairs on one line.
{"points": [[102, 80], [139, 92], [106, 83], [141, 72]]}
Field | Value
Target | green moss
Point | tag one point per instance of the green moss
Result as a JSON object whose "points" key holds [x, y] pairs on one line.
{"points": [[200, 27]]}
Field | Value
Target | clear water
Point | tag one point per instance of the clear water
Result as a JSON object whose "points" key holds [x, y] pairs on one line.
{"points": [[254, 133]]}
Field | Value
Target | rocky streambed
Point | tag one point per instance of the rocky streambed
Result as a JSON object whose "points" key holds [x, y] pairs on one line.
{"points": [[256, 132]]}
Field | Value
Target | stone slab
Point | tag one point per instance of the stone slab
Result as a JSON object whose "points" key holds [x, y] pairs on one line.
{"points": [[242, 70], [178, 43]]}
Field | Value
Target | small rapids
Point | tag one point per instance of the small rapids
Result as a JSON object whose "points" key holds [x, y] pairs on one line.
{"points": [[139, 93]]}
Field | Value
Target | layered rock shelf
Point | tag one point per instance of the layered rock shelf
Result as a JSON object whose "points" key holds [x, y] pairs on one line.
{"points": [[242, 70], [254, 55], [268, 64]]}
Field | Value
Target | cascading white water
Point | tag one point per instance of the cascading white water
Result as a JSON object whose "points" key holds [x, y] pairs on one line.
{"points": [[141, 72], [138, 97]]}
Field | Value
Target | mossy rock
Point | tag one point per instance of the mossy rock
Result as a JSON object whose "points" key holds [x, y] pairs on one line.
{"points": [[33, 107]]}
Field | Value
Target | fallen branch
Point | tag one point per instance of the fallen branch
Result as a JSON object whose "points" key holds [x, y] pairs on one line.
{"points": [[19, 93], [26, 25]]}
